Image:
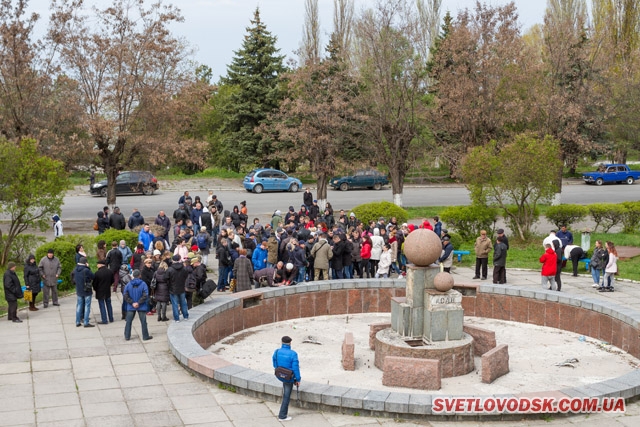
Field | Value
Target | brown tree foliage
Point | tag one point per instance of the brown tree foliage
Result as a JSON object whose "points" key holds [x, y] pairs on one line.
{"points": [[318, 122], [478, 71], [130, 71]]}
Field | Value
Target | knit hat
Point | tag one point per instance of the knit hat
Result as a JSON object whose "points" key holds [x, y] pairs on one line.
{"points": [[289, 266], [156, 252], [10, 265], [50, 251], [176, 257], [286, 339]]}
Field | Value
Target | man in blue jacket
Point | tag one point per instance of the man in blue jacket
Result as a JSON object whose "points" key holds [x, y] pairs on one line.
{"points": [[136, 295], [286, 358]]}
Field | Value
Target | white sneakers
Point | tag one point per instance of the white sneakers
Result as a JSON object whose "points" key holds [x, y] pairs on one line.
{"points": [[595, 285], [285, 419]]}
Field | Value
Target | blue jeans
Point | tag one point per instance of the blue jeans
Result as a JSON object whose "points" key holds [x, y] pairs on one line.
{"points": [[347, 271], [595, 273], [287, 388], [83, 309], [105, 310], [142, 315], [181, 300], [223, 277], [301, 274]]}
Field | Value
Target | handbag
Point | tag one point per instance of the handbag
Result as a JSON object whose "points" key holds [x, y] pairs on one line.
{"points": [[28, 296], [283, 374]]}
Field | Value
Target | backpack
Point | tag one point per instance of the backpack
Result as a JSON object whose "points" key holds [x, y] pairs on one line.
{"points": [[190, 284], [202, 241], [207, 289]]}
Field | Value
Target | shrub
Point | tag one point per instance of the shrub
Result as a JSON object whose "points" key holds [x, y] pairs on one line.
{"points": [[456, 240], [110, 235], [22, 246], [373, 211], [514, 220], [86, 240], [607, 214], [469, 220], [566, 214], [631, 217], [66, 253]]}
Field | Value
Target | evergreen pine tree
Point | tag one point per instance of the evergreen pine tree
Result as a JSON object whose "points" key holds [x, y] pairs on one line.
{"points": [[255, 71]]}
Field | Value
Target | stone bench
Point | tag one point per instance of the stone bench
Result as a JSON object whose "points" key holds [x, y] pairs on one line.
{"points": [[495, 363], [374, 328], [348, 353], [422, 374], [483, 339]]}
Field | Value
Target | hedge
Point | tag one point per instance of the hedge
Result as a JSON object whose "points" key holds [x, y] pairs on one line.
{"points": [[66, 253], [111, 235], [468, 221], [373, 211], [567, 215], [607, 215]]}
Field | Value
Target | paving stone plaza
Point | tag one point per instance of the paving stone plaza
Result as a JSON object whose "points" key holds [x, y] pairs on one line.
{"points": [[54, 374]]}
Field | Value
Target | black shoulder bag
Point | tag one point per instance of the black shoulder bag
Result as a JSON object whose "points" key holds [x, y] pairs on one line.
{"points": [[283, 374]]}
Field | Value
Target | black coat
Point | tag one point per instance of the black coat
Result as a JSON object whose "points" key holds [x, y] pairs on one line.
{"points": [[103, 223], [32, 277], [177, 278], [114, 260], [146, 274], [102, 283], [117, 221], [162, 287], [12, 287]]}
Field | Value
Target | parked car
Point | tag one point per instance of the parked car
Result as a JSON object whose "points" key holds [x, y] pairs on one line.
{"points": [[367, 178], [612, 173], [259, 180], [129, 182]]}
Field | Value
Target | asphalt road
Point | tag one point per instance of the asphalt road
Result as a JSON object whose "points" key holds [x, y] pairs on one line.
{"points": [[84, 206]]}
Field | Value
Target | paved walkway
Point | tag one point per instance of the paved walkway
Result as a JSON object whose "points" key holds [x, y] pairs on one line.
{"points": [[54, 374]]}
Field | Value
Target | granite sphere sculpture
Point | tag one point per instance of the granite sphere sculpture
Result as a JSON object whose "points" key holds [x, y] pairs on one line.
{"points": [[422, 247], [443, 281]]}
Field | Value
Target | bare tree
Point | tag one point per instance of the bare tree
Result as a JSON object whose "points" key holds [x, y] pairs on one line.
{"points": [[343, 16], [393, 74], [429, 12], [310, 49], [25, 73], [129, 68]]}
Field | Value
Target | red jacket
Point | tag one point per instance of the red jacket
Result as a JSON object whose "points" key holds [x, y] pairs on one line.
{"points": [[365, 252], [549, 262]]}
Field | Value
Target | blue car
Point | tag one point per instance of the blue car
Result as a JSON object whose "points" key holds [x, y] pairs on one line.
{"points": [[259, 180]]}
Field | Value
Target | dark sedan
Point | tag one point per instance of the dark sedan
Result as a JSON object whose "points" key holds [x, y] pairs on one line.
{"points": [[368, 178], [129, 182]]}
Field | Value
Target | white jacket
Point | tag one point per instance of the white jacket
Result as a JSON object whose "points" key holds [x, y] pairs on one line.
{"points": [[612, 266]]}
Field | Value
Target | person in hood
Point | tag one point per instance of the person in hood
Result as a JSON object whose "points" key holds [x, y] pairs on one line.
{"points": [[57, 227], [136, 295], [32, 280], [12, 292], [135, 219], [548, 260], [102, 221], [82, 276]]}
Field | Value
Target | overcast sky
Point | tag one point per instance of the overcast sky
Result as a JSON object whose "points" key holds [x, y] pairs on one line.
{"points": [[215, 28]]}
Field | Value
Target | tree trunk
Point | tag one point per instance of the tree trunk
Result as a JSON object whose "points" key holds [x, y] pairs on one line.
{"points": [[321, 183], [111, 170], [620, 156], [557, 198], [397, 185]]}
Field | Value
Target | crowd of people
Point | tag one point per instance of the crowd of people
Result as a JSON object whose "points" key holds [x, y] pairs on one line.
{"points": [[301, 245]]}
